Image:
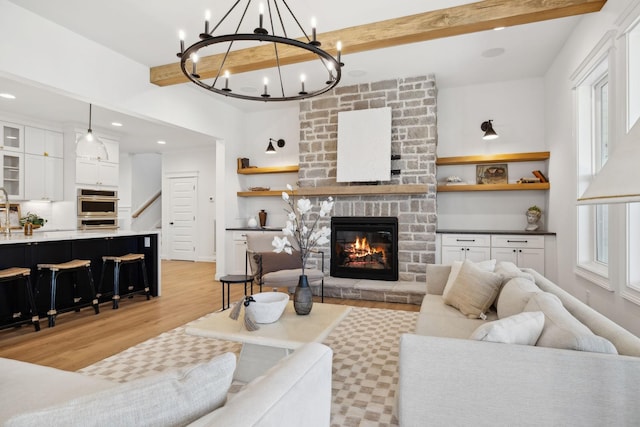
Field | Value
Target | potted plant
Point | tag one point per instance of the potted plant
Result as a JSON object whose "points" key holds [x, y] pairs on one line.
{"points": [[36, 220]]}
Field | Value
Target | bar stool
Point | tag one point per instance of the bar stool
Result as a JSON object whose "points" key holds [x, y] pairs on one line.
{"points": [[118, 262], [15, 274], [69, 267]]}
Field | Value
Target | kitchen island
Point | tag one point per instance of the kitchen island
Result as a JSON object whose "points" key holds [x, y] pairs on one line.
{"points": [[51, 247]]}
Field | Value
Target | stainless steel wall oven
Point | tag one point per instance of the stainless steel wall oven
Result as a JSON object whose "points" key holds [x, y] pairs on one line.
{"points": [[97, 209]]}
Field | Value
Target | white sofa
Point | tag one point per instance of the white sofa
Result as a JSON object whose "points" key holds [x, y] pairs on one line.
{"points": [[446, 378], [294, 392]]}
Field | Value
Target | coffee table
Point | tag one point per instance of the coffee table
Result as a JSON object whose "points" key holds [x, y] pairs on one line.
{"points": [[263, 348]]}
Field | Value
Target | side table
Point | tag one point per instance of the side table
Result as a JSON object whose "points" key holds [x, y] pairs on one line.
{"points": [[234, 278]]}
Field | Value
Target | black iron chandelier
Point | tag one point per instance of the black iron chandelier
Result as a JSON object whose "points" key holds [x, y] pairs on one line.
{"points": [[278, 11]]}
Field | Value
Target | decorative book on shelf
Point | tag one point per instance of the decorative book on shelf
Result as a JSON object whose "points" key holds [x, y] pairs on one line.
{"points": [[540, 176]]}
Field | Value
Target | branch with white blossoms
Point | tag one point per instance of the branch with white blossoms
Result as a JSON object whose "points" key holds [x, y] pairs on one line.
{"points": [[299, 216]]}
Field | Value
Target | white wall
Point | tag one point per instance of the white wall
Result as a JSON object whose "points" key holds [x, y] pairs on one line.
{"points": [[517, 111], [559, 133]]}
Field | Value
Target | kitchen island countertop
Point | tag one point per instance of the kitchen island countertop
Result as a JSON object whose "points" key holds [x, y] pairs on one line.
{"points": [[18, 236]]}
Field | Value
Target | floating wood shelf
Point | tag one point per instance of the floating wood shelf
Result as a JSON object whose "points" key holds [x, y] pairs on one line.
{"points": [[494, 158], [353, 190], [269, 169], [493, 187]]}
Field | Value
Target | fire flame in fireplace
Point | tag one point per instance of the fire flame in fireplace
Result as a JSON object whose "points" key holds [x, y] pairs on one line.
{"points": [[362, 247]]}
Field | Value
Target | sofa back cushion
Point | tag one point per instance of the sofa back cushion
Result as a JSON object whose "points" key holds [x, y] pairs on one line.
{"points": [[509, 270], [487, 265], [562, 330], [473, 291], [171, 398], [437, 276], [514, 296]]}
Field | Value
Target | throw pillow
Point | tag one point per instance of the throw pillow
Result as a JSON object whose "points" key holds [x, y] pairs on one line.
{"points": [[473, 291], [172, 398], [272, 261], [522, 328], [488, 265], [514, 295], [562, 330], [437, 276], [509, 270]]}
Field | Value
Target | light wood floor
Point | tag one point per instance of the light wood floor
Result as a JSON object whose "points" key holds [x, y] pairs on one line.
{"points": [[189, 291]]}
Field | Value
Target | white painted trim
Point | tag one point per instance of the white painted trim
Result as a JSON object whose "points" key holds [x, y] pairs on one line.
{"points": [[193, 174], [593, 277], [631, 297], [598, 54]]}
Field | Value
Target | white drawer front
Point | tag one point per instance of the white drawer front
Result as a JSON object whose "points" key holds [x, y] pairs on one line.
{"points": [[517, 241], [466, 240]]}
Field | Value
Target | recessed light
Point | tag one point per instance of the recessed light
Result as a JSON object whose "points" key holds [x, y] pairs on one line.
{"points": [[116, 124], [7, 96], [498, 28], [491, 53], [162, 142]]}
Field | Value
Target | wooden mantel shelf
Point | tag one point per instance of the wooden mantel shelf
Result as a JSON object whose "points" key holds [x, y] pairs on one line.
{"points": [[493, 158], [493, 187], [268, 169], [353, 190]]}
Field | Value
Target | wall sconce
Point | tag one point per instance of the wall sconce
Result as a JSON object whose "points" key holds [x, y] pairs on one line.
{"points": [[487, 128], [271, 149]]}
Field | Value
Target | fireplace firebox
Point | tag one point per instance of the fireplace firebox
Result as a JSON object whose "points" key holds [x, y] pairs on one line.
{"points": [[364, 247]]}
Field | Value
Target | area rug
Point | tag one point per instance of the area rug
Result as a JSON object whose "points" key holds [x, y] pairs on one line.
{"points": [[365, 362]]}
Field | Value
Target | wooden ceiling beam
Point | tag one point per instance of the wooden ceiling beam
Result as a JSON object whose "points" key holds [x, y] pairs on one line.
{"points": [[454, 21]]}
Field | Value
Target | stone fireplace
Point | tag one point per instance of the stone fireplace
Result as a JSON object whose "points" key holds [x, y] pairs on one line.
{"points": [[364, 247], [413, 149]]}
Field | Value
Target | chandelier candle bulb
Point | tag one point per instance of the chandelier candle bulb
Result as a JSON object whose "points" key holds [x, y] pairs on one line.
{"points": [[339, 48], [266, 82], [194, 61], [302, 79], [181, 37], [207, 17], [226, 81], [313, 33], [261, 14]]}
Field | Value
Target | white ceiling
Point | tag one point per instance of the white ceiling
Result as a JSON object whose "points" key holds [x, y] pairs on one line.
{"points": [[146, 31]]}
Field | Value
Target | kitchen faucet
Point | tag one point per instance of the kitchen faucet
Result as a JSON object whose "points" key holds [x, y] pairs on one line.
{"points": [[7, 227]]}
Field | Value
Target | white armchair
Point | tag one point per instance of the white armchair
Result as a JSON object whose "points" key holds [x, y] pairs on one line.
{"points": [[272, 269]]}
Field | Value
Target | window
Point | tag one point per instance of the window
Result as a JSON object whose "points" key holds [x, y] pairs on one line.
{"points": [[593, 149], [633, 71]]}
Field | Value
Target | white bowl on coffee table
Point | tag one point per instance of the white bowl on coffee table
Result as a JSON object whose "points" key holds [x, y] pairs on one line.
{"points": [[267, 307]]}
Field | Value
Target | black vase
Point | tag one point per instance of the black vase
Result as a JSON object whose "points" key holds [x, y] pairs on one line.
{"points": [[303, 297], [263, 218]]}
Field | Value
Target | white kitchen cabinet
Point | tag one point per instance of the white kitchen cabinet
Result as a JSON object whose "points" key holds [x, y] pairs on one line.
{"points": [[458, 247], [12, 174], [96, 172], [100, 172], [44, 178], [44, 164], [12, 137], [525, 251], [239, 252]]}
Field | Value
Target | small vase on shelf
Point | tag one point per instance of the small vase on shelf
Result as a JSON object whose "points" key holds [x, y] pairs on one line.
{"points": [[262, 215], [303, 297]]}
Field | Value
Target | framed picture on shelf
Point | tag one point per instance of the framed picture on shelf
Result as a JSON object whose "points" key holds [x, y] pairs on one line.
{"points": [[14, 216], [492, 174]]}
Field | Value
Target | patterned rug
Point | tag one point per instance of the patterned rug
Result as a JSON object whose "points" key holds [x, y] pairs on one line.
{"points": [[365, 362]]}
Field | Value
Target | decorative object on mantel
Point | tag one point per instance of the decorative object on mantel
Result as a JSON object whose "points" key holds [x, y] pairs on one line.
{"points": [[454, 180], [262, 215], [271, 149], [90, 146], [492, 174], [487, 128], [533, 216], [327, 68], [300, 226], [252, 223], [259, 188]]}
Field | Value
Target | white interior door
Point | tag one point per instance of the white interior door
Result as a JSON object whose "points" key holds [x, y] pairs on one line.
{"points": [[182, 219]]}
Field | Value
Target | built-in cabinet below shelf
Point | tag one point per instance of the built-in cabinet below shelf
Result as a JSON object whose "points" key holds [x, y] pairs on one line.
{"points": [[493, 158]]}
